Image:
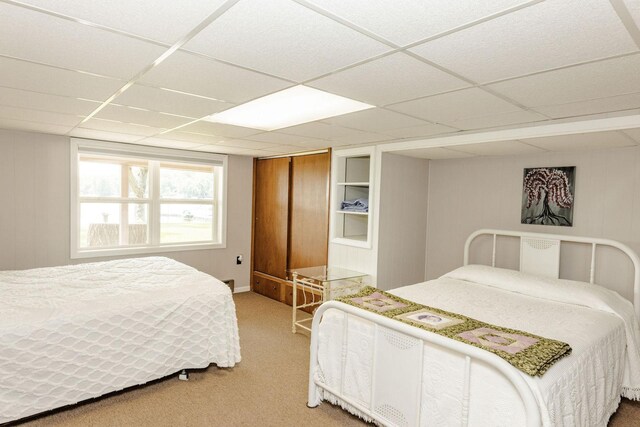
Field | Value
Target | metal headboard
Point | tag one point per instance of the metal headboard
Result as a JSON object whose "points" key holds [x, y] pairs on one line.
{"points": [[540, 254]]}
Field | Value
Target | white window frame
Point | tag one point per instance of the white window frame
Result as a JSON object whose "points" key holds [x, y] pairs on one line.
{"points": [[152, 154]]}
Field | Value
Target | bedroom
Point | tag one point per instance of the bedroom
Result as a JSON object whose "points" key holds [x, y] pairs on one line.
{"points": [[446, 103]]}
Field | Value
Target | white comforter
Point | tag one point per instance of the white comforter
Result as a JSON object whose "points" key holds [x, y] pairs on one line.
{"points": [[580, 390], [77, 332]]}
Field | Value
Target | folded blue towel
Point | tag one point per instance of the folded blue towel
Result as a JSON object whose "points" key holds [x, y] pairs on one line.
{"points": [[355, 205]]}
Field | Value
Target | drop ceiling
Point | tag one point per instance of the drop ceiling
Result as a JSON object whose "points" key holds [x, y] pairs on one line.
{"points": [[148, 72]]}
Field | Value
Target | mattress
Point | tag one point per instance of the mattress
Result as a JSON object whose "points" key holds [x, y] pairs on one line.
{"points": [[582, 389], [76, 332]]}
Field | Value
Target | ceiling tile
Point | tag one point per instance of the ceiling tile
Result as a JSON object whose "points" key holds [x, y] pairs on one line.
{"points": [[219, 129], [495, 120], [320, 130], [434, 153], [602, 79], [413, 20], [46, 102], [633, 134], [547, 35], [231, 150], [283, 38], [592, 106], [282, 138], [450, 107], [168, 143], [104, 135], [44, 38], [388, 80], [40, 78], [118, 127], [192, 137], [33, 126], [375, 120], [634, 9], [141, 117], [361, 138], [243, 143], [201, 76], [283, 149], [14, 113], [582, 141], [420, 131], [499, 148], [168, 101], [161, 20]]}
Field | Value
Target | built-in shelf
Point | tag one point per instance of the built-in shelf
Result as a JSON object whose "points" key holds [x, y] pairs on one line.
{"points": [[354, 184], [352, 212], [352, 178]]}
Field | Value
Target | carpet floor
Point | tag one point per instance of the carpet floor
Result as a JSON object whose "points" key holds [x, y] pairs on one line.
{"points": [[268, 388]]}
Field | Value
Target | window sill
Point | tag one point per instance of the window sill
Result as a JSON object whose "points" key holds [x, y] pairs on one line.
{"points": [[98, 253]]}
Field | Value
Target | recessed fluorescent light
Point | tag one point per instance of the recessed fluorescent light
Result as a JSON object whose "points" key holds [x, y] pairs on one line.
{"points": [[289, 107]]}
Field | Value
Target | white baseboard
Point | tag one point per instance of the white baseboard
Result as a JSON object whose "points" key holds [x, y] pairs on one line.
{"points": [[241, 289]]}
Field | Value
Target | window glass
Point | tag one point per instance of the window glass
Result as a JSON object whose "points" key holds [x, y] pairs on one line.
{"points": [[186, 184], [186, 223]]}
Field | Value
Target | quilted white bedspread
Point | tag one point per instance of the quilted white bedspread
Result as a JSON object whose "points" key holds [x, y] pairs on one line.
{"points": [[76, 332], [582, 389]]}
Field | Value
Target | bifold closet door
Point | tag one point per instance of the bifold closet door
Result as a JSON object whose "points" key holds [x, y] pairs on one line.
{"points": [[271, 216], [309, 210]]}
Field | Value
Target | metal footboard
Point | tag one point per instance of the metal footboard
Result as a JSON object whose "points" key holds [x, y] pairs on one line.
{"points": [[383, 376]]}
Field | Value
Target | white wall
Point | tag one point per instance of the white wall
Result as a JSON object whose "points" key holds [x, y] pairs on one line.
{"points": [[34, 209], [486, 192]]}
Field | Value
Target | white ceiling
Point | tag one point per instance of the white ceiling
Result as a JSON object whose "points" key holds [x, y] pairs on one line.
{"points": [[149, 71]]}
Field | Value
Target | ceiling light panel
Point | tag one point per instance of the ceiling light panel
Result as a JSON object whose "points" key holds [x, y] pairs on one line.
{"points": [[289, 107], [162, 20], [168, 101], [548, 35], [45, 102], [44, 38], [40, 78], [601, 79], [194, 74], [283, 38], [388, 80], [450, 107], [413, 20]]}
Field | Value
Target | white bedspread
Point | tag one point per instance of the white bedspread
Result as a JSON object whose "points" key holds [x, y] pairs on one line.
{"points": [[77, 332], [582, 389]]}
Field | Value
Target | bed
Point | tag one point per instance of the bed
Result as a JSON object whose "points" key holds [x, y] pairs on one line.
{"points": [[392, 373], [77, 332]]}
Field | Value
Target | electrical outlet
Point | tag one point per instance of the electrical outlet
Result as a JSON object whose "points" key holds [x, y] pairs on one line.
{"points": [[239, 259]]}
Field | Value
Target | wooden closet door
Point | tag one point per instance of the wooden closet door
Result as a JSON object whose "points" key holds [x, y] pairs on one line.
{"points": [[271, 216], [309, 227]]}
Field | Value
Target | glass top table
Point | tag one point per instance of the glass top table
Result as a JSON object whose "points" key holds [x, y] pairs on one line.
{"points": [[319, 284]]}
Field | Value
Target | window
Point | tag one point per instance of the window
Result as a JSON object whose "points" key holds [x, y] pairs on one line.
{"points": [[135, 199]]}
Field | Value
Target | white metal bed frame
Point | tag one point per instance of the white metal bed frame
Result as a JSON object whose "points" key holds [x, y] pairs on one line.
{"points": [[539, 254]]}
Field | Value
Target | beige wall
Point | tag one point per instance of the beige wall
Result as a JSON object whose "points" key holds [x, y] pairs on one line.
{"points": [[468, 194], [403, 202], [34, 209]]}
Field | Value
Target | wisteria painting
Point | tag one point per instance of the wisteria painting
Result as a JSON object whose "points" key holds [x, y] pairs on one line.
{"points": [[548, 196]]}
